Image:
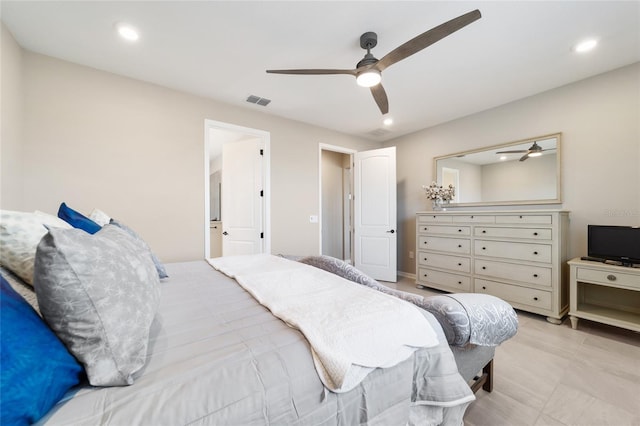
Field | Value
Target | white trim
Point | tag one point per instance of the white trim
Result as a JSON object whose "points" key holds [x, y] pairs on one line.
{"points": [[334, 148], [266, 171]]}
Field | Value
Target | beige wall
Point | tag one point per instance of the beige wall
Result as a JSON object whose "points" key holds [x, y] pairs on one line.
{"points": [[136, 151], [11, 122], [600, 123]]}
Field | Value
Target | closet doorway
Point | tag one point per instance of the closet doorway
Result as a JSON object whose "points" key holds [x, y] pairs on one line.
{"points": [[336, 201]]}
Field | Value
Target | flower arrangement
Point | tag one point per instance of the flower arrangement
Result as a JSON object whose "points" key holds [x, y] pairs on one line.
{"points": [[438, 193]]}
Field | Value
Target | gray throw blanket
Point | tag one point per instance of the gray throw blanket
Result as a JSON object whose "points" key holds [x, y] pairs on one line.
{"points": [[479, 319]]}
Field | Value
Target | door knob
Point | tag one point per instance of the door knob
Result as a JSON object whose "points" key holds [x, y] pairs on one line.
{"points": [[225, 233], [392, 231]]}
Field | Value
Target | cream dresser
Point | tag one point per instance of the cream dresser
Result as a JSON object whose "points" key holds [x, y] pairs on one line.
{"points": [[519, 256]]}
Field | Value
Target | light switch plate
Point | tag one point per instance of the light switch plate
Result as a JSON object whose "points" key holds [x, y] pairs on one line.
{"points": [[313, 219]]}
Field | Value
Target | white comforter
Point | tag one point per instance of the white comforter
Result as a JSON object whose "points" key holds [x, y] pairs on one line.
{"points": [[351, 329]]}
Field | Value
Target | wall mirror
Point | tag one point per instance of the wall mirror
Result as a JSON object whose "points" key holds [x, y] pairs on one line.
{"points": [[521, 172]]}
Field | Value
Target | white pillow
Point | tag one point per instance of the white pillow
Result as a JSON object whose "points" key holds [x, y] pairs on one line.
{"points": [[99, 217], [20, 233]]}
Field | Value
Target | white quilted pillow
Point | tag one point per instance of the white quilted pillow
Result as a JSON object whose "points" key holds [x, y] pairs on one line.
{"points": [[20, 233], [100, 217]]}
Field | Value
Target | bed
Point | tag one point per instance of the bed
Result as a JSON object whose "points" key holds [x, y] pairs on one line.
{"points": [[214, 355]]}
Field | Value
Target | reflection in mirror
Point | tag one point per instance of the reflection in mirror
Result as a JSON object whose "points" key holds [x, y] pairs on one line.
{"points": [[522, 172]]}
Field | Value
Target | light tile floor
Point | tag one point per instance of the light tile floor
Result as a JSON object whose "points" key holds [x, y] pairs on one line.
{"points": [[551, 375]]}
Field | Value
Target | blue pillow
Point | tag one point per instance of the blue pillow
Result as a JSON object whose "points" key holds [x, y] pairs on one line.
{"points": [[77, 219], [37, 369]]}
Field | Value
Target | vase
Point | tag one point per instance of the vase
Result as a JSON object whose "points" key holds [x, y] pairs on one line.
{"points": [[436, 205]]}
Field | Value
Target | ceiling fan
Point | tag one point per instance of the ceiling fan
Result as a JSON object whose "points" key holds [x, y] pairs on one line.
{"points": [[535, 151], [368, 70]]}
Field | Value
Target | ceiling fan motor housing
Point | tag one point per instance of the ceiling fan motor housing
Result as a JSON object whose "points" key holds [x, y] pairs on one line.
{"points": [[368, 40]]}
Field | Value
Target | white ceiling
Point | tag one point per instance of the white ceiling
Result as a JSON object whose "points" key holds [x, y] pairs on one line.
{"points": [[221, 49]]}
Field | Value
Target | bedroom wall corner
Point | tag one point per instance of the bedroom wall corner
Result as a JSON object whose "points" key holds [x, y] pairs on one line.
{"points": [[11, 117], [599, 121]]}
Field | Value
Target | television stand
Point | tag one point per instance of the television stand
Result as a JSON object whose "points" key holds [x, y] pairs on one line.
{"points": [[609, 294]]}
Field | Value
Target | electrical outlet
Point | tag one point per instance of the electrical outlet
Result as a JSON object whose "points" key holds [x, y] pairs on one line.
{"points": [[410, 255]]}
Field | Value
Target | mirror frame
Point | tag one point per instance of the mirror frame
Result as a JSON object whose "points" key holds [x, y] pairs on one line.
{"points": [[556, 200]]}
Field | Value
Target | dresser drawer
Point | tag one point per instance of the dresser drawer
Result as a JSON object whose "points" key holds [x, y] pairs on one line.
{"points": [[542, 219], [514, 293], [519, 251], [617, 279], [474, 218], [450, 245], [435, 218], [509, 271], [454, 263], [455, 282], [445, 230], [528, 233]]}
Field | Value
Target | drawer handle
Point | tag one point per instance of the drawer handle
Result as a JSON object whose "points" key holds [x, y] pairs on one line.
{"points": [[484, 267], [484, 288], [535, 252], [520, 217], [459, 264], [535, 234], [534, 275], [425, 259], [459, 230], [484, 248], [424, 242], [471, 217], [459, 282], [459, 245], [535, 298], [484, 231], [434, 217], [425, 275], [611, 277]]}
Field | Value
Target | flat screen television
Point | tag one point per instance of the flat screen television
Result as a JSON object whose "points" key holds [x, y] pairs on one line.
{"points": [[617, 243]]}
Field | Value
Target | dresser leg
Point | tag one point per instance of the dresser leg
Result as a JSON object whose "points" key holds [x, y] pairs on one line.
{"points": [[574, 322], [555, 321]]}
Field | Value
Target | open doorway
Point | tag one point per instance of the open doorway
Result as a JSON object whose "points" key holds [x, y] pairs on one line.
{"points": [[336, 202], [236, 177]]}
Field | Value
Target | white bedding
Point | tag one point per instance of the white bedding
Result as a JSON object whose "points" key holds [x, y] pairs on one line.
{"points": [[352, 329]]}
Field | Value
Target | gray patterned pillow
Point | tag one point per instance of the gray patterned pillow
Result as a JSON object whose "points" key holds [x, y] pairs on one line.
{"points": [[99, 293], [162, 272]]}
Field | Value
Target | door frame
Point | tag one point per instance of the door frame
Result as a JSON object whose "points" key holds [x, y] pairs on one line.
{"points": [[266, 173], [341, 150]]}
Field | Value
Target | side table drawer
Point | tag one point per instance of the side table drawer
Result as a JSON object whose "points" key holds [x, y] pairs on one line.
{"points": [[609, 278], [451, 245], [454, 263], [458, 283], [538, 275], [516, 294]]}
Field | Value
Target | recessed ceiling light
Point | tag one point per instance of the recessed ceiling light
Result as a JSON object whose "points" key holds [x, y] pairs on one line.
{"points": [[388, 121], [127, 32], [585, 46]]}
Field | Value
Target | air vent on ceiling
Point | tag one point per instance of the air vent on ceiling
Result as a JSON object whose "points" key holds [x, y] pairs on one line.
{"points": [[379, 132], [258, 100]]}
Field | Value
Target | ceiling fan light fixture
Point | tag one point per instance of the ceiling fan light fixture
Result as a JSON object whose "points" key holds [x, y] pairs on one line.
{"points": [[369, 78], [585, 46], [127, 32], [534, 154]]}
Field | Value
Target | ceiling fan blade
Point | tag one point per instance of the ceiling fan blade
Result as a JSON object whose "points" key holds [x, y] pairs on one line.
{"points": [[513, 152], [426, 39], [380, 96], [312, 72], [524, 157]]}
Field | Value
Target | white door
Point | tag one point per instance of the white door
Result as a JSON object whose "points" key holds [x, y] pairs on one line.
{"points": [[242, 199], [375, 213]]}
